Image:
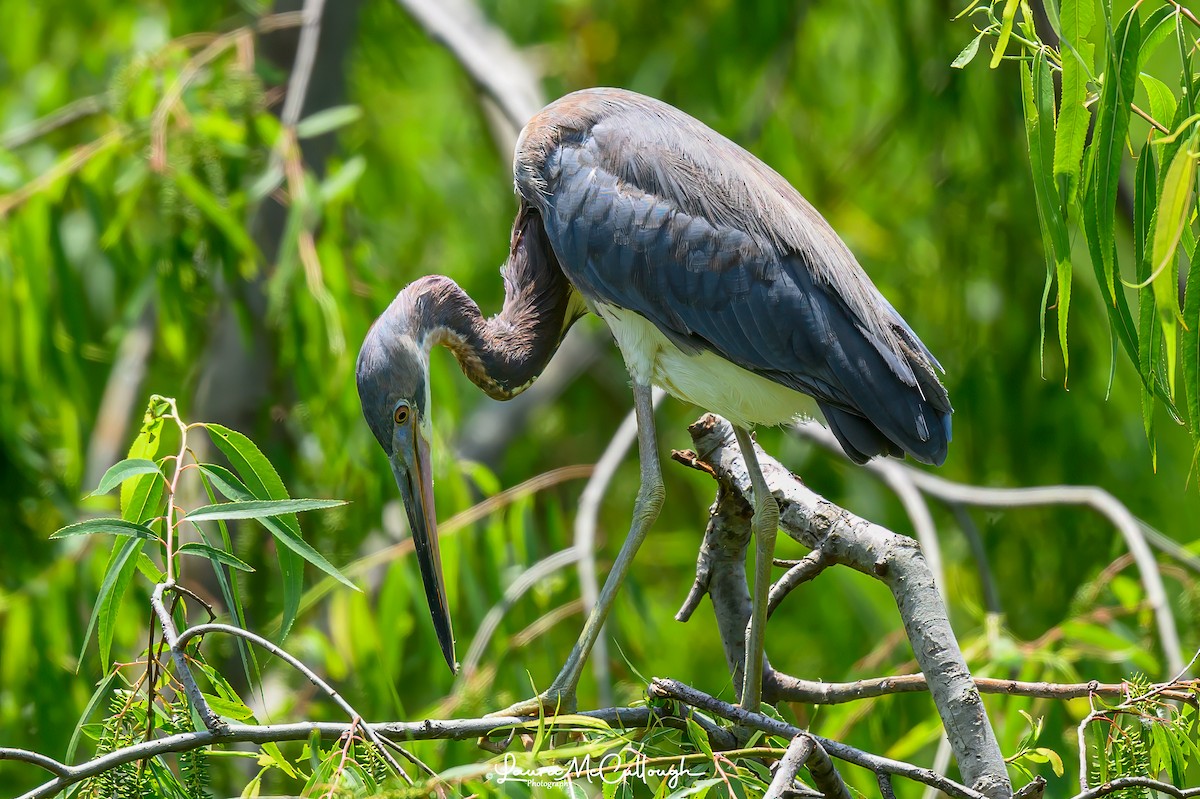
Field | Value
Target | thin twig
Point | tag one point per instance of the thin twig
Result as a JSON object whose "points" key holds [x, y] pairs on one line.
{"points": [[793, 760], [72, 111], [1112, 786], [175, 643], [302, 68], [801, 572], [299, 666], [792, 689], [673, 689], [25, 756]]}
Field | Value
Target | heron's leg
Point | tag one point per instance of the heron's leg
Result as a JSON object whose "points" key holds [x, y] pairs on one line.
{"points": [[765, 525], [560, 696]]}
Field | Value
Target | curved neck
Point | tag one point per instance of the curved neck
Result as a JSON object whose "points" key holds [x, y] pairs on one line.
{"points": [[502, 355]]}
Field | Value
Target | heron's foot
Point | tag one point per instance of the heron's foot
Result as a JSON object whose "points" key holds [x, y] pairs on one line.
{"points": [[554, 701]]}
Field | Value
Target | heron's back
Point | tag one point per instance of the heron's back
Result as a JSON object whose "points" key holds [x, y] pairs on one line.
{"points": [[650, 211]]}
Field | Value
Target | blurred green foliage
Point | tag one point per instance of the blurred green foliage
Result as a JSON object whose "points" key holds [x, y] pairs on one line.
{"points": [[923, 169]]}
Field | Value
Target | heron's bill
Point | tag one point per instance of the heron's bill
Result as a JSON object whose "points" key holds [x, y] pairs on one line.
{"points": [[414, 476]]}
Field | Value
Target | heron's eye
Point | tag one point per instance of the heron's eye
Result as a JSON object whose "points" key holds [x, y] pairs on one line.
{"points": [[400, 415]]}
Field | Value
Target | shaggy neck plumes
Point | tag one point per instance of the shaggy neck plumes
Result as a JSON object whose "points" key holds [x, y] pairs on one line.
{"points": [[502, 355]]}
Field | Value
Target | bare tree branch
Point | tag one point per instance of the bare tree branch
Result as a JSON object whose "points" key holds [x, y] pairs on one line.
{"points": [[1089, 496], [798, 752], [791, 689], [673, 689], [895, 560]]}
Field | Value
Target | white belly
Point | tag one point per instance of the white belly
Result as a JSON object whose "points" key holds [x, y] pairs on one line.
{"points": [[704, 379]]}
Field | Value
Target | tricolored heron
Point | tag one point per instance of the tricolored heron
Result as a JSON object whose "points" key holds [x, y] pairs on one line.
{"points": [[719, 282]]}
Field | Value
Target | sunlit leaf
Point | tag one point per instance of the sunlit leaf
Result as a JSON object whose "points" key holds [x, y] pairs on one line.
{"points": [[968, 53], [212, 553], [1076, 18], [123, 470], [123, 553], [106, 527], [259, 508], [1006, 25], [261, 479], [326, 120], [1162, 99], [1174, 206]]}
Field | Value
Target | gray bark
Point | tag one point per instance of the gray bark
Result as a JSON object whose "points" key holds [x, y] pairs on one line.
{"points": [[895, 560]]}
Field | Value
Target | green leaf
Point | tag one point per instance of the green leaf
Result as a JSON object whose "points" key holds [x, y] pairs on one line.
{"points": [[263, 482], [343, 180], [226, 482], [259, 508], [1006, 26], [123, 470], [146, 447], [110, 605], [1145, 202], [1190, 348], [212, 553], [1155, 30], [1038, 102], [106, 527], [327, 120], [968, 53], [1162, 99], [1174, 207], [1077, 17], [97, 697], [1112, 124], [122, 554], [223, 218]]}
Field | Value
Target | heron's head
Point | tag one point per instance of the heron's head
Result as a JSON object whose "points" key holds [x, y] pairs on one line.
{"points": [[393, 387]]}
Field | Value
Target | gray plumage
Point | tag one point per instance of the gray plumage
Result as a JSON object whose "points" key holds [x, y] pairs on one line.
{"points": [[649, 210]]}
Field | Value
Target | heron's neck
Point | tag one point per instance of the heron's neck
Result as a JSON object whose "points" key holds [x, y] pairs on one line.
{"points": [[503, 354]]}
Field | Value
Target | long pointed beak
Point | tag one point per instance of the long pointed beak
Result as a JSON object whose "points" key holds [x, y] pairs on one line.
{"points": [[416, 488]]}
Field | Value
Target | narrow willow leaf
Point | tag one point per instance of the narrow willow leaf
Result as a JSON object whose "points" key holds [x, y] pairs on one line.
{"points": [[1155, 30], [1174, 206], [123, 470], [1038, 102], [1112, 124], [298, 545], [226, 482], [1006, 26], [212, 553], [144, 447], [343, 180], [232, 227], [128, 549], [106, 527], [1145, 200], [261, 479], [968, 53], [259, 508], [1162, 99], [98, 696], [1077, 18], [110, 605], [327, 120]]}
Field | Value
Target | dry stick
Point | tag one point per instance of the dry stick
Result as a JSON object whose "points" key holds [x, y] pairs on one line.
{"points": [[454, 729], [798, 752], [174, 642], [801, 572], [302, 68], [1098, 499], [804, 749], [312, 676], [895, 560], [586, 521], [792, 689], [673, 689], [1138, 782], [721, 573]]}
